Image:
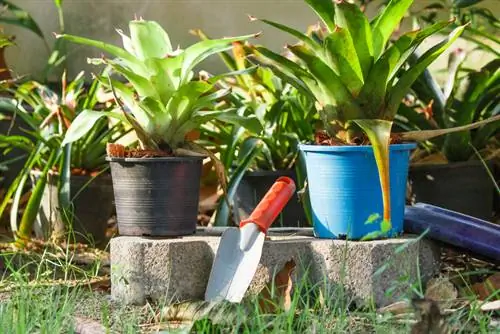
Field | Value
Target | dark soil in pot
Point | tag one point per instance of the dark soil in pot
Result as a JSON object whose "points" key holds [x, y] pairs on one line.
{"points": [[156, 196], [253, 187], [93, 206], [464, 187]]}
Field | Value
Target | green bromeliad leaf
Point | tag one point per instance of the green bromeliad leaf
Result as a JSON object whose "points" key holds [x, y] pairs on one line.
{"points": [[196, 53], [325, 10], [297, 34], [384, 24], [335, 93], [379, 133], [84, 122], [163, 98], [149, 40], [404, 83], [350, 17], [342, 53]]}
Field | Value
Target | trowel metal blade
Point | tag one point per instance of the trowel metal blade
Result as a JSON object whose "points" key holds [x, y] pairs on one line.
{"points": [[233, 268]]}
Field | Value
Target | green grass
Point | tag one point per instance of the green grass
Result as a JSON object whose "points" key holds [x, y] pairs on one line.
{"points": [[31, 310], [30, 305]]}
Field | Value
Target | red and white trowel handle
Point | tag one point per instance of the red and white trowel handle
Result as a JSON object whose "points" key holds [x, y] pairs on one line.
{"points": [[271, 205]]}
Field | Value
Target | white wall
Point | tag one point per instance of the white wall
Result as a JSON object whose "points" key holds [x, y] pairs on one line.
{"points": [[98, 19]]}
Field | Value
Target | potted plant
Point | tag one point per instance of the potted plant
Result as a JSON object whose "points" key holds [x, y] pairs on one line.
{"points": [[482, 23], [358, 79], [256, 159], [157, 184], [71, 193], [452, 171], [12, 14]]}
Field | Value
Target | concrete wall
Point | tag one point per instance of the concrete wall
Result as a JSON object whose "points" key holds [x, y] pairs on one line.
{"points": [[218, 18]]}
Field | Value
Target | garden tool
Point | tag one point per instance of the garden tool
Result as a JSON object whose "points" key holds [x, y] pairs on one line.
{"points": [[469, 233], [240, 249]]}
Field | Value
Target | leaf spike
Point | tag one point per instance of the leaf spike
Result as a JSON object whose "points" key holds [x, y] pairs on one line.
{"points": [[252, 18], [195, 32]]}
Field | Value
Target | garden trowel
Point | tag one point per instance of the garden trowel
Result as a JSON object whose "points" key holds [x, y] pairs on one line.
{"points": [[240, 248]]}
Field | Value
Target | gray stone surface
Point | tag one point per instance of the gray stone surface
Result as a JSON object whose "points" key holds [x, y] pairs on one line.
{"points": [[172, 270]]}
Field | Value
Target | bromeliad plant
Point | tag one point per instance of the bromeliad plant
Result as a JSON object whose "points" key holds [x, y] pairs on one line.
{"points": [[164, 103], [48, 115], [466, 97], [357, 75], [482, 30]]}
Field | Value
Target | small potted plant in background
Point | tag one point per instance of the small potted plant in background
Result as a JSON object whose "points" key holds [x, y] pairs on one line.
{"points": [[71, 192], [11, 14], [157, 184], [358, 79], [256, 159], [482, 24], [453, 171]]}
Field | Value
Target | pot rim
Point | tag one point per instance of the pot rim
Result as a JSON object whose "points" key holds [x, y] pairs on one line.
{"points": [[156, 159], [353, 148], [105, 174]]}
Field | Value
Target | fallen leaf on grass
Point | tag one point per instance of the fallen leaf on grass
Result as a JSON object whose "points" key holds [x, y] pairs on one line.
{"points": [[400, 307], [491, 306], [187, 311], [276, 295], [489, 287]]}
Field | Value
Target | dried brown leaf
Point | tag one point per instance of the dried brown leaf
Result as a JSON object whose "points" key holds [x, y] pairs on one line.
{"points": [[277, 294], [115, 150], [488, 288], [491, 306], [400, 307]]}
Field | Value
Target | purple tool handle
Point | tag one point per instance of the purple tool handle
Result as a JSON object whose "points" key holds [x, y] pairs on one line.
{"points": [[473, 234]]}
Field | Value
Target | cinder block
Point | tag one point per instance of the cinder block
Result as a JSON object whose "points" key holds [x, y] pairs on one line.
{"points": [[177, 269]]}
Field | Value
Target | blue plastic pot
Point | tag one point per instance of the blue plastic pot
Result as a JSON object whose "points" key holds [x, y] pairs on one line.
{"points": [[345, 193]]}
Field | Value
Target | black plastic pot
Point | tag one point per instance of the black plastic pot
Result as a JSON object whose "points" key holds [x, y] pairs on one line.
{"points": [[464, 187], [156, 196], [253, 187], [92, 207]]}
